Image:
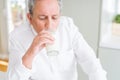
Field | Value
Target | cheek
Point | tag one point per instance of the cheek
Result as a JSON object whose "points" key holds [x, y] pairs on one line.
{"points": [[38, 26], [56, 23]]}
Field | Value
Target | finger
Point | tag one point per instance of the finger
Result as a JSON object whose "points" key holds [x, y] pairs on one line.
{"points": [[46, 37], [44, 32], [45, 41]]}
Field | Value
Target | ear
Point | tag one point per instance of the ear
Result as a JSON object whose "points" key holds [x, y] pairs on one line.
{"points": [[29, 18]]}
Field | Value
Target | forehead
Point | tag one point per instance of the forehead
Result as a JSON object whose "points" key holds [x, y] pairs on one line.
{"points": [[46, 6]]}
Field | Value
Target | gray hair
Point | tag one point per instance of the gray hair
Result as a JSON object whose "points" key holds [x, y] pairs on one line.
{"points": [[31, 4]]}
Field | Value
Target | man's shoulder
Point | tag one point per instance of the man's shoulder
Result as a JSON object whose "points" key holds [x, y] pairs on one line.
{"points": [[20, 30], [66, 23], [65, 19]]}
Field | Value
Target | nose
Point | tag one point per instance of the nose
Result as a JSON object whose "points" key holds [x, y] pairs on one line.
{"points": [[49, 24]]}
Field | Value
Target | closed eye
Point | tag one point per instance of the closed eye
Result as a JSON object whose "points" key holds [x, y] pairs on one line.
{"points": [[42, 17], [55, 17]]}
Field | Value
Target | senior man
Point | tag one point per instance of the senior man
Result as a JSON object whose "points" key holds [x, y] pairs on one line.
{"points": [[29, 58]]}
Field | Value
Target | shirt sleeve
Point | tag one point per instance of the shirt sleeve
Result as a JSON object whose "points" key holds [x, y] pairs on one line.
{"points": [[86, 57], [16, 70]]}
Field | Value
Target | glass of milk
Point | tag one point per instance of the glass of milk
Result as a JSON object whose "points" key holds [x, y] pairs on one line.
{"points": [[53, 49]]}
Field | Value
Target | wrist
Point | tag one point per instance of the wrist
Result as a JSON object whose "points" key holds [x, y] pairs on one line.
{"points": [[28, 58]]}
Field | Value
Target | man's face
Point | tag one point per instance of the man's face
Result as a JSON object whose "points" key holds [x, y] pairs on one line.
{"points": [[46, 14]]}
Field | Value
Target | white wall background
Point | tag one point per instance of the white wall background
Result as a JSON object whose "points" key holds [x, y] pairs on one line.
{"points": [[110, 59]]}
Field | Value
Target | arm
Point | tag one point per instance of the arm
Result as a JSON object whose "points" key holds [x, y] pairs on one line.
{"points": [[20, 60], [37, 45], [87, 59], [86, 56]]}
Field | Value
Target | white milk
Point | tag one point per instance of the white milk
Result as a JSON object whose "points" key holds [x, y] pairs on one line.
{"points": [[53, 49]]}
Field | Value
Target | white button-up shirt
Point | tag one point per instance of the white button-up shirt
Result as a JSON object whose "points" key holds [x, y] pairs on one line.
{"points": [[73, 50]]}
